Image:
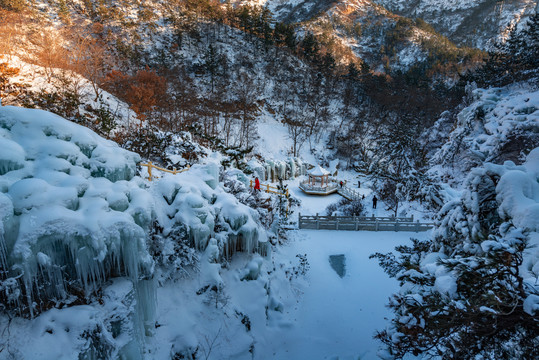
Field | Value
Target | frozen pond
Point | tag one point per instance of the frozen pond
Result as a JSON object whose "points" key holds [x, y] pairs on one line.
{"points": [[338, 263], [344, 301]]}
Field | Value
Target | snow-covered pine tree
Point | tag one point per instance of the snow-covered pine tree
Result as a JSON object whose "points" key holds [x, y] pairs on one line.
{"points": [[463, 292], [400, 161], [514, 59]]}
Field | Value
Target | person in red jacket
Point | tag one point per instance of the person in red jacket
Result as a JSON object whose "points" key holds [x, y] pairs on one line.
{"points": [[257, 184]]}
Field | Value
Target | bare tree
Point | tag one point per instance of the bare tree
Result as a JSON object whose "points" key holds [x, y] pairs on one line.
{"points": [[246, 94]]}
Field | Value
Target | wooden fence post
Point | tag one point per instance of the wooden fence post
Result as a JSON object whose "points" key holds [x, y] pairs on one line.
{"points": [[149, 170], [376, 225], [357, 223], [336, 223], [317, 222]]}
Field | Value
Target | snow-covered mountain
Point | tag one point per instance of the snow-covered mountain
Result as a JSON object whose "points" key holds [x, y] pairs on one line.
{"points": [[467, 22], [365, 29], [473, 23]]}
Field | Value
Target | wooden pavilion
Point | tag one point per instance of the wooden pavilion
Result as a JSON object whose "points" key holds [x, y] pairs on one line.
{"points": [[319, 182]]}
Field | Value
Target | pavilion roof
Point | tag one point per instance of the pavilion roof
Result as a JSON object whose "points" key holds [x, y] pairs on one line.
{"points": [[318, 171]]}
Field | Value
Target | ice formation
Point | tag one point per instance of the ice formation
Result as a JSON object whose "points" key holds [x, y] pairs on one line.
{"points": [[75, 225], [275, 169], [72, 214], [208, 212]]}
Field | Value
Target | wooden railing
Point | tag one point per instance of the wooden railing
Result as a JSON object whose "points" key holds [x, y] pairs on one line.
{"points": [[270, 189], [356, 223], [149, 165]]}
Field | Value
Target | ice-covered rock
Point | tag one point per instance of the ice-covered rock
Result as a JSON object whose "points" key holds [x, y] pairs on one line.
{"points": [[71, 214], [208, 211]]}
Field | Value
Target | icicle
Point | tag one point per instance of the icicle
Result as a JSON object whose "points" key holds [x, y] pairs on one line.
{"points": [[292, 168], [282, 170], [146, 305]]}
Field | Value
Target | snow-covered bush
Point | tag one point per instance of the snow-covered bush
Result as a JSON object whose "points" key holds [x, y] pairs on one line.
{"points": [[500, 124], [347, 208], [171, 250]]}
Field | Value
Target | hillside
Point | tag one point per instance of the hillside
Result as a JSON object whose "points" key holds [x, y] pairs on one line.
{"points": [[473, 23], [224, 73], [365, 30]]}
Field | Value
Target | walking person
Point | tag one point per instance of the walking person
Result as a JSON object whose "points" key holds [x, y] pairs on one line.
{"points": [[374, 201], [358, 184], [341, 184], [257, 184]]}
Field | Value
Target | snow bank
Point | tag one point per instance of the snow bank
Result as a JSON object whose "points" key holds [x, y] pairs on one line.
{"points": [[518, 196]]}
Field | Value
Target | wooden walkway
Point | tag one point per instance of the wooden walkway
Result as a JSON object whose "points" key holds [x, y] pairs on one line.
{"points": [[355, 223]]}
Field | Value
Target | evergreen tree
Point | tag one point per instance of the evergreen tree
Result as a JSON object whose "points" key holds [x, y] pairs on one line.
{"points": [[327, 64], [265, 30], [310, 47], [212, 62], [284, 35], [515, 59], [352, 72]]}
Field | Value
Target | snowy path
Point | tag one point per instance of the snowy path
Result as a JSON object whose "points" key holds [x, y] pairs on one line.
{"points": [[337, 317]]}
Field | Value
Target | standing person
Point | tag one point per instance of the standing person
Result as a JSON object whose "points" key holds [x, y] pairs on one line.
{"points": [[374, 201], [257, 184], [341, 183], [358, 184]]}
